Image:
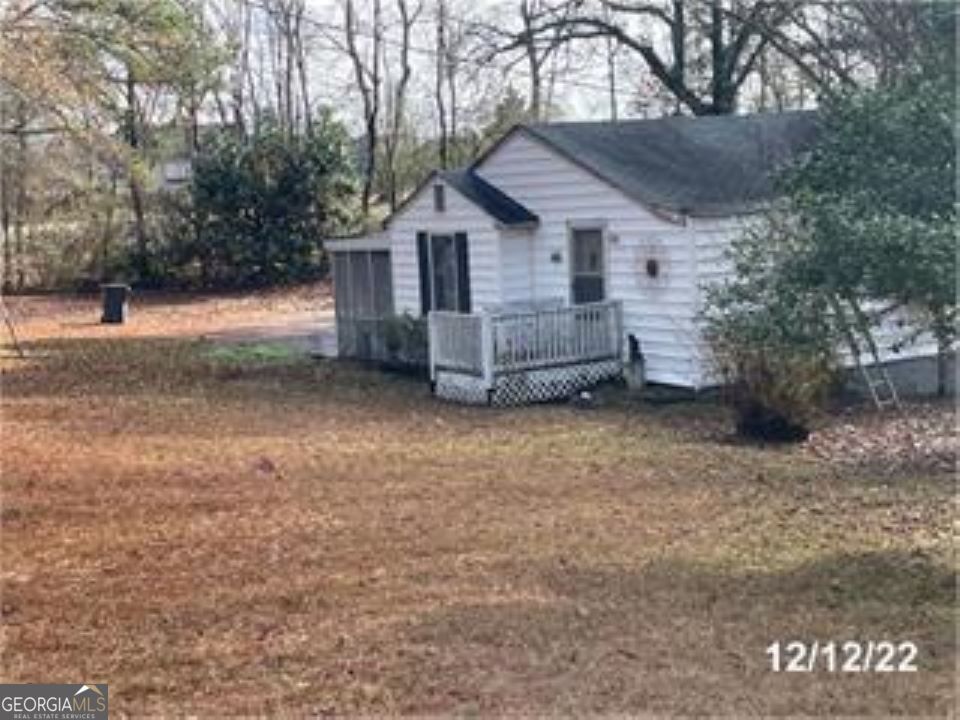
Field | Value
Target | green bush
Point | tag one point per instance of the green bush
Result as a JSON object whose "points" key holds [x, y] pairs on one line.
{"points": [[775, 392], [406, 340], [769, 336], [258, 209]]}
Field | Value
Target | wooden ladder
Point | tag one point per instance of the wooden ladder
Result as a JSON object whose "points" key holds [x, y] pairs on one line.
{"points": [[875, 376], [881, 388]]}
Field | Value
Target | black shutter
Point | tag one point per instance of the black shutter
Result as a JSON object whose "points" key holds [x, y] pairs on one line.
{"points": [[423, 254], [463, 273]]}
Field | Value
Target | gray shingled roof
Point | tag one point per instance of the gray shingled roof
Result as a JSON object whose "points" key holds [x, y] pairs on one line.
{"points": [[494, 201], [704, 166]]}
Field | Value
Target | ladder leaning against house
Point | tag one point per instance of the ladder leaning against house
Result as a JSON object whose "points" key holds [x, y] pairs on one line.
{"points": [[879, 385], [882, 390]]}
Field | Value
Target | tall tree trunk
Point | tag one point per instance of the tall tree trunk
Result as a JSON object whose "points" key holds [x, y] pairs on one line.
{"points": [[302, 69], [243, 72], [443, 143], [368, 82], [5, 175], [20, 203], [407, 20], [7, 282], [533, 61], [943, 368], [106, 239], [451, 63], [720, 80], [136, 182], [943, 331], [612, 78], [288, 71]]}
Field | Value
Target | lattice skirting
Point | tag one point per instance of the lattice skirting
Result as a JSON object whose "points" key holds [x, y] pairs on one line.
{"points": [[461, 388], [525, 387]]}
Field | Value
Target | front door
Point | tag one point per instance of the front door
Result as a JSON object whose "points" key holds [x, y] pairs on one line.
{"points": [[587, 268]]}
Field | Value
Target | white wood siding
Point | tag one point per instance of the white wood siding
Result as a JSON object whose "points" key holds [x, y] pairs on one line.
{"points": [[713, 238], [660, 313], [518, 269], [460, 215]]}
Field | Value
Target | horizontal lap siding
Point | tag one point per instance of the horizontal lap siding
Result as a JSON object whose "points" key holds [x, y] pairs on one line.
{"points": [[518, 272], [660, 313], [460, 215], [713, 238]]}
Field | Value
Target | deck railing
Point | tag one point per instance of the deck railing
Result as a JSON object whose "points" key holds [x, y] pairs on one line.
{"points": [[456, 342], [491, 344]]}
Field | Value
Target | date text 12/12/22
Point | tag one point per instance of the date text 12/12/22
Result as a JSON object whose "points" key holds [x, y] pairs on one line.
{"points": [[852, 656]]}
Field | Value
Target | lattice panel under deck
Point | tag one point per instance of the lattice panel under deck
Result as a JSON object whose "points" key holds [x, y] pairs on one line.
{"points": [[461, 388], [552, 383], [526, 387]]}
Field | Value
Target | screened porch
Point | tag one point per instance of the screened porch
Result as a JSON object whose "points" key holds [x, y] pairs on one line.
{"points": [[363, 295]]}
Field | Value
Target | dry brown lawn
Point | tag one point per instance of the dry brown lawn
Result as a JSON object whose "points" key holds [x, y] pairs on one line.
{"points": [[224, 533]]}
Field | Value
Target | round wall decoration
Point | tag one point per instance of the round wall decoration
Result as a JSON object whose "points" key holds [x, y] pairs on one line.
{"points": [[651, 264]]}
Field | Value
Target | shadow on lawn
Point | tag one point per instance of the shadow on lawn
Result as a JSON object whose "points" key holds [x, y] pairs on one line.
{"points": [[676, 637]]}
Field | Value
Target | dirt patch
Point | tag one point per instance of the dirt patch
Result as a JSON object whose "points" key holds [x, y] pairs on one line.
{"points": [[246, 315]]}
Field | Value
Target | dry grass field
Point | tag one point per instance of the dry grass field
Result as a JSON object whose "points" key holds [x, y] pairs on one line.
{"points": [[226, 531]]}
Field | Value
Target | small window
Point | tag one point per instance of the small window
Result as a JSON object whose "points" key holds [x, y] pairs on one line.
{"points": [[439, 198]]}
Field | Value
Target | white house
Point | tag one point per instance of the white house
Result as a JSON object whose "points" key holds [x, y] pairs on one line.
{"points": [[566, 248]]}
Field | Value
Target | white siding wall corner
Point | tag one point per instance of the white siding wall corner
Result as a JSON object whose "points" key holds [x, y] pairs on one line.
{"points": [[712, 239]]}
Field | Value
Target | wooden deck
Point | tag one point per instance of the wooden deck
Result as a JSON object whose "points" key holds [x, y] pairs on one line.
{"points": [[515, 357]]}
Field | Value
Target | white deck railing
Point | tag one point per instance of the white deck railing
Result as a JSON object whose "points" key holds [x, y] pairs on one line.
{"points": [[456, 342], [490, 344]]}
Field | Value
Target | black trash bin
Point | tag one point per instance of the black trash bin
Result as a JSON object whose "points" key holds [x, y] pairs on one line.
{"points": [[115, 296]]}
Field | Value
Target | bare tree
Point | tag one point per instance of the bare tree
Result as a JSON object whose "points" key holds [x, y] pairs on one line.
{"points": [[368, 77], [394, 135], [443, 141], [858, 41], [610, 49], [543, 31], [234, 19], [299, 11], [450, 45], [710, 54]]}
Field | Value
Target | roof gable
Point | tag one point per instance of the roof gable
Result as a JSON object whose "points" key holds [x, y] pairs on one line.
{"points": [[496, 203], [493, 201], [703, 166]]}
